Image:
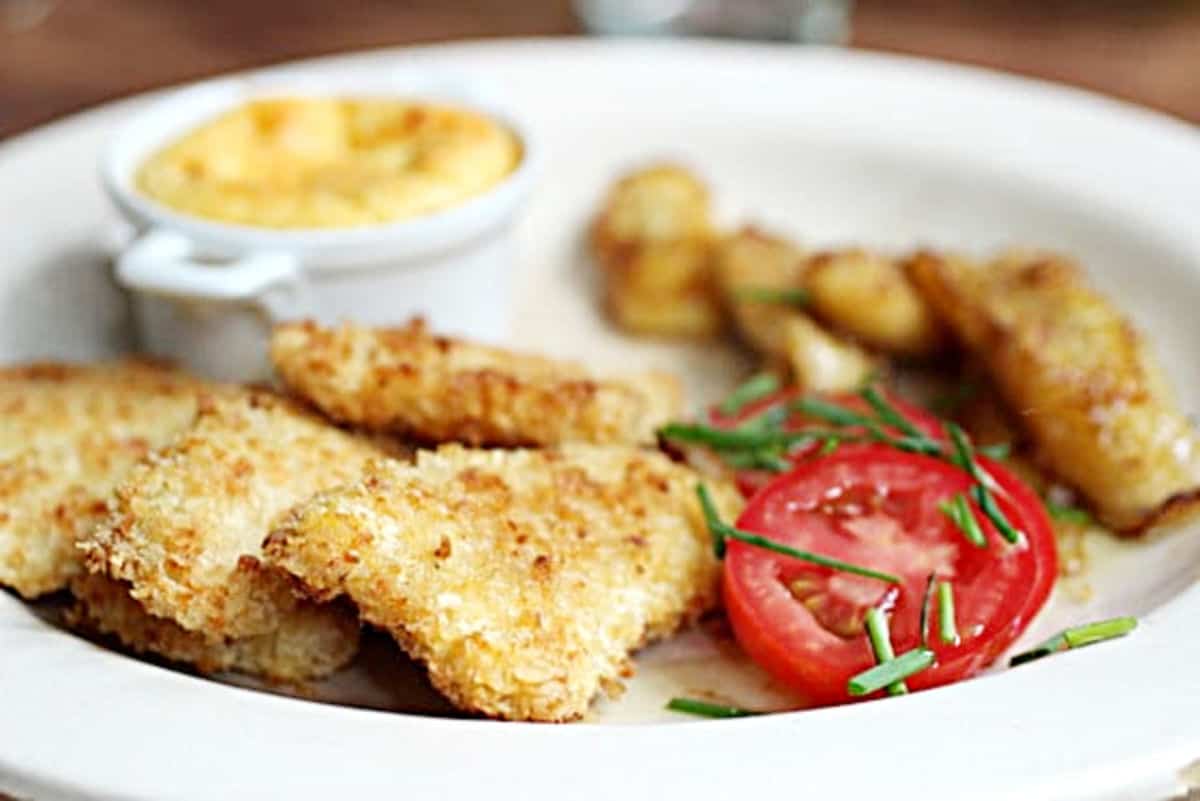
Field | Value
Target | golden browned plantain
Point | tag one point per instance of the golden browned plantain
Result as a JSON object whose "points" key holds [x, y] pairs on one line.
{"points": [[1079, 379], [868, 298], [185, 526], [311, 641], [68, 433], [756, 272], [522, 579], [407, 381], [653, 240]]}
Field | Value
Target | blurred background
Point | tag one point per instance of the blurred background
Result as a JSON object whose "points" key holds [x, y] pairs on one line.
{"points": [[57, 56]]}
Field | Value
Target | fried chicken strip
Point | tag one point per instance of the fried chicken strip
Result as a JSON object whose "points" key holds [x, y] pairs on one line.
{"points": [[410, 382], [522, 579]]}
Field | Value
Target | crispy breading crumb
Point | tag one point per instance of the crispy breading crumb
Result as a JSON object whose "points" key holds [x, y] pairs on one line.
{"points": [[410, 382], [522, 579], [186, 525], [312, 641], [68, 433]]}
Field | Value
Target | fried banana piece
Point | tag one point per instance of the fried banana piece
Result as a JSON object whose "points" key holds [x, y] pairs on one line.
{"points": [[312, 641], [653, 240], [868, 298], [407, 381], [751, 264], [522, 579], [68, 433], [820, 362], [186, 525], [1080, 380]]}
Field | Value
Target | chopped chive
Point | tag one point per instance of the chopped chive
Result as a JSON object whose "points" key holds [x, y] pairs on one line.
{"points": [[832, 413], [831, 445], [963, 456], [732, 438], [721, 532], [713, 518], [947, 630], [998, 451], [958, 509], [881, 643], [693, 706], [1046, 647], [1068, 514], [1077, 637], [754, 389], [756, 459], [888, 413], [993, 512], [888, 673], [926, 602], [1092, 633], [922, 445], [765, 294]]}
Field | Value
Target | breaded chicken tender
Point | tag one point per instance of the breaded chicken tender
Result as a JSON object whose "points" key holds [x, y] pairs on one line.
{"points": [[312, 641], [522, 579], [186, 525], [410, 382], [1079, 379], [653, 240], [68, 434]]}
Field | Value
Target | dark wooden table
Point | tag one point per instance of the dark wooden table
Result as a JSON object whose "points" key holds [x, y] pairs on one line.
{"points": [[87, 51]]}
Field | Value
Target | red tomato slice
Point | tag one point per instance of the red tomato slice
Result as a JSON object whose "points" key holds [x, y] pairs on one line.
{"points": [[751, 481], [877, 507]]}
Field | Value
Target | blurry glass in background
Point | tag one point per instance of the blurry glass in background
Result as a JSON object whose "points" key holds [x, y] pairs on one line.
{"points": [[812, 21]]}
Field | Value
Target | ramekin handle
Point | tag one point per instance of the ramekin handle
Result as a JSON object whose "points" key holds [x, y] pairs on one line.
{"points": [[163, 262]]}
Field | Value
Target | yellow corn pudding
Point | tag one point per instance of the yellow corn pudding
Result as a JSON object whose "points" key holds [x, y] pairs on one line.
{"points": [[330, 163]]}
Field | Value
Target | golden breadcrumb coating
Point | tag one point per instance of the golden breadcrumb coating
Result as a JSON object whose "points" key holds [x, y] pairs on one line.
{"points": [[68, 433], [312, 641], [1080, 381], [186, 525], [522, 579], [409, 382], [653, 241]]}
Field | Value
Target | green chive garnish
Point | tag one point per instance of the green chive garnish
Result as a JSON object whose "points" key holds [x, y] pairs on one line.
{"points": [[831, 445], [832, 413], [881, 643], [988, 505], [756, 459], [888, 413], [736, 438], [958, 509], [998, 451], [704, 709], [721, 532], [926, 603], [947, 629], [888, 673], [779, 295], [754, 389], [1068, 514], [1077, 637]]}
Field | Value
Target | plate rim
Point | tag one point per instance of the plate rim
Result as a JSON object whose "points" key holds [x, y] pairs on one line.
{"points": [[34, 771]]}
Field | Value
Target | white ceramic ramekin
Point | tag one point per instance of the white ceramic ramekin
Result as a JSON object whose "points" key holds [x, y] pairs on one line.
{"points": [[206, 293]]}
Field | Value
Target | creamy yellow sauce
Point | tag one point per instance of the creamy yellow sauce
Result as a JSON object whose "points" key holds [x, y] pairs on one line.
{"points": [[330, 163]]}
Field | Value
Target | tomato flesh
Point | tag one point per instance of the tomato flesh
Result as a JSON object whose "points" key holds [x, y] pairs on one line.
{"points": [[751, 481], [878, 507]]}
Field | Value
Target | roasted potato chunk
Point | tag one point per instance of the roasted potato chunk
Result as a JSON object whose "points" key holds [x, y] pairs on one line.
{"points": [[653, 240], [1080, 380], [868, 298]]}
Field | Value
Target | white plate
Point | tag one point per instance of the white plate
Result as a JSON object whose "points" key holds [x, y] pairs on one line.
{"points": [[831, 146]]}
